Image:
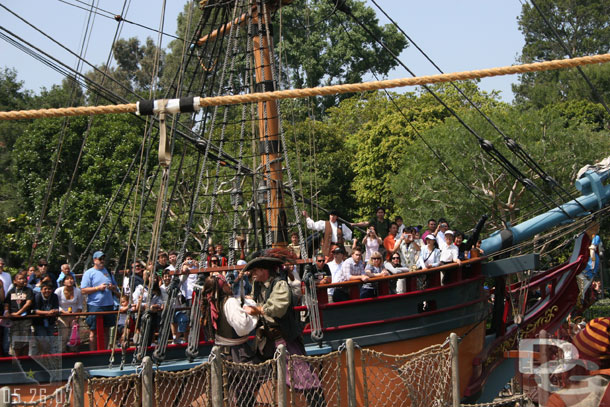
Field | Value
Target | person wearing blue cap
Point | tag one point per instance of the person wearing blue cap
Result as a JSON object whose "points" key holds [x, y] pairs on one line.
{"points": [[99, 286]]}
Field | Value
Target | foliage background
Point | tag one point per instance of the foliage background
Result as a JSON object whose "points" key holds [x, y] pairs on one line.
{"points": [[352, 153]]}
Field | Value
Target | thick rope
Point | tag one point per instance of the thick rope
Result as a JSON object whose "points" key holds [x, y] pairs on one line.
{"points": [[322, 91]]}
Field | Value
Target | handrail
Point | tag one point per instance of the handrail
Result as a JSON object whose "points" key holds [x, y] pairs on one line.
{"points": [[77, 314], [403, 275], [548, 275]]}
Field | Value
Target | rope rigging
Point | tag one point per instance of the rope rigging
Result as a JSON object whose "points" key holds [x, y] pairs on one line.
{"points": [[515, 147], [420, 136], [118, 17], [86, 82], [596, 94], [486, 145], [321, 91]]}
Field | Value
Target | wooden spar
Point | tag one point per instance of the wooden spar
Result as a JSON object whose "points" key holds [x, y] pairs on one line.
{"points": [[220, 31], [268, 129]]}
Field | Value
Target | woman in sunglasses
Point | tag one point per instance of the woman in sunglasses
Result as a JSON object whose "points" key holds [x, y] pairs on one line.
{"points": [[374, 268]]}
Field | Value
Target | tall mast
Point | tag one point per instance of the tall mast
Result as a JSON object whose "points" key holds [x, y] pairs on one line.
{"points": [[268, 126]]}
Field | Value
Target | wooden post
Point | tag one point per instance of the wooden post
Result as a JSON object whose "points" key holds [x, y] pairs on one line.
{"points": [[282, 396], [216, 379], [6, 400], [545, 380], [147, 382], [351, 373], [78, 389], [455, 369]]}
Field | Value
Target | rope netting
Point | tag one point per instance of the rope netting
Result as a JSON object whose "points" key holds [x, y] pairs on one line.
{"points": [[60, 397], [186, 388], [123, 391], [419, 379], [246, 384], [516, 400], [316, 381]]}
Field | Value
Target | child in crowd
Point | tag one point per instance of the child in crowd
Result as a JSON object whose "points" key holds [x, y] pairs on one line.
{"points": [[46, 304], [70, 301], [124, 307], [18, 302]]}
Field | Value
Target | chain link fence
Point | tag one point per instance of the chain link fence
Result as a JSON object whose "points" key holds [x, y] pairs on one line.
{"points": [[418, 379], [186, 388]]}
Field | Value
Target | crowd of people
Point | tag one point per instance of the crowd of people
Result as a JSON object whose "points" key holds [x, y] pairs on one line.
{"points": [[387, 248]]}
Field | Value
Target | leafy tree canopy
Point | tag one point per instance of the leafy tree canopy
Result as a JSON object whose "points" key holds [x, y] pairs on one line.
{"points": [[558, 142], [585, 29]]}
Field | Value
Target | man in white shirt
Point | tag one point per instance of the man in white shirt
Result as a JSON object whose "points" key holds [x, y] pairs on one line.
{"points": [[442, 228], [335, 232], [449, 254], [335, 268]]}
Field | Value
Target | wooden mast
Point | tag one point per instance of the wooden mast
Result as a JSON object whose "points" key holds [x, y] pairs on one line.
{"points": [[268, 120], [268, 128]]}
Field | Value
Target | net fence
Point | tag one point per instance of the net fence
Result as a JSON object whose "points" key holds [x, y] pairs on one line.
{"points": [[315, 380], [419, 379], [246, 384], [123, 391], [186, 388]]}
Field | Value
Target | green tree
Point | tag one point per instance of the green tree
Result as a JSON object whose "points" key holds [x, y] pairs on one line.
{"points": [[558, 142], [324, 46], [316, 50], [134, 71], [378, 131], [12, 97], [585, 29], [111, 144]]}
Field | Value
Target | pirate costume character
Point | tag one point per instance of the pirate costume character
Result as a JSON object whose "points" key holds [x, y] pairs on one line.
{"points": [[279, 323], [226, 322]]}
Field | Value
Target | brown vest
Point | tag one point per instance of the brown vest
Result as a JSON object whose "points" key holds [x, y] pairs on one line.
{"points": [[327, 239]]}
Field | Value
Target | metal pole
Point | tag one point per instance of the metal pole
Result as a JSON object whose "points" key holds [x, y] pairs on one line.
{"points": [[455, 369], [147, 382], [216, 379], [282, 397], [78, 391], [6, 400], [351, 373]]}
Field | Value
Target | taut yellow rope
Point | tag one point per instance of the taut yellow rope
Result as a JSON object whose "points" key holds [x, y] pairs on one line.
{"points": [[323, 91]]}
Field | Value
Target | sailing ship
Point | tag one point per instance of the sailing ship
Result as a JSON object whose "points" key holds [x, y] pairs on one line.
{"points": [[256, 200]]}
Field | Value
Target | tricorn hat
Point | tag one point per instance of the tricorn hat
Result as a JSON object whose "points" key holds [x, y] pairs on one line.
{"points": [[263, 262]]}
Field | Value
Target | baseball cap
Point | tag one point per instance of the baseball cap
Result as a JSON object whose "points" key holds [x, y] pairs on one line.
{"points": [[98, 254]]}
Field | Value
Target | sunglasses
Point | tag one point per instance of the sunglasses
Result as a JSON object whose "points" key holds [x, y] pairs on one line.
{"points": [[43, 265], [376, 258], [320, 261], [396, 258]]}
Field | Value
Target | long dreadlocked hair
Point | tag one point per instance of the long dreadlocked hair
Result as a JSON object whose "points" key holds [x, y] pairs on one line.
{"points": [[213, 297]]}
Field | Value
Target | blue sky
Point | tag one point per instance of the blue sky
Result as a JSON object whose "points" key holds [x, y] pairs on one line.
{"points": [[457, 35]]}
